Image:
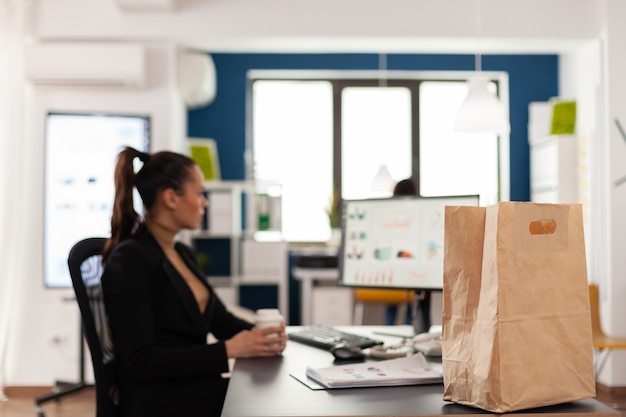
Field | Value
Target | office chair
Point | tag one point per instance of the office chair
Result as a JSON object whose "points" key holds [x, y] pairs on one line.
{"points": [[85, 265], [602, 343], [364, 296]]}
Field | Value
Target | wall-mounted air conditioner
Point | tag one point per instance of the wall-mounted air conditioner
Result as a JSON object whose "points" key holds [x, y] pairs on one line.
{"points": [[147, 5], [84, 64], [196, 79]]}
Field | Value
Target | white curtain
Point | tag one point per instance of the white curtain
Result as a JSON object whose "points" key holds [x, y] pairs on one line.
{"points": [[13, 244]]}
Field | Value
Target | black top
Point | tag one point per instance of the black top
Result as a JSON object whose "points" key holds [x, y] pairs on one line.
{"points": [[159, 333]]}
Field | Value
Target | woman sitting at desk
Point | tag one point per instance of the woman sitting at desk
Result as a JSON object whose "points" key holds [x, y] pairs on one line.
{"points": [[159, 305]]}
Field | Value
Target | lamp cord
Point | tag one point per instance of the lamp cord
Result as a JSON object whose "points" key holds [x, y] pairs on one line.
{"points": [[382, 69], [477, 24]]}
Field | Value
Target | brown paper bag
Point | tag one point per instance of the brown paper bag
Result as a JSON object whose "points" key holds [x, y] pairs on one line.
{"points": [[516, 320]]}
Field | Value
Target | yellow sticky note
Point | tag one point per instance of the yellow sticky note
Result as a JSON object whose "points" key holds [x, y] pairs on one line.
{"points": [[203, 156], [563, 118]]}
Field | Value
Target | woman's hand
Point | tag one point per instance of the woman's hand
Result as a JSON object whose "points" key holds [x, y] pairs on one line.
{"points": [[270, 341]]}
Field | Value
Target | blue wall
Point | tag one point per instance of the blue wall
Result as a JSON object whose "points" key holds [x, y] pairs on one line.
{"points": [[531, 78]]}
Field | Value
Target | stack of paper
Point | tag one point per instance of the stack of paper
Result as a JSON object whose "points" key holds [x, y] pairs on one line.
{"points": [[539, 121], [264, 261], [410, 370], [222, 217]]}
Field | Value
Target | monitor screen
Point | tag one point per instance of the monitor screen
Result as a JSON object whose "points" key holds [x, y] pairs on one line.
{"points": [[395, 242], [80, 155]]}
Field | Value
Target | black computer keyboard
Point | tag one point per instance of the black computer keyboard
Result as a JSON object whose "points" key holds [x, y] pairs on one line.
{"points": [[325, 337]]}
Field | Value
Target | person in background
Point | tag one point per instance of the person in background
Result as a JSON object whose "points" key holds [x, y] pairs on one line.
{"points": [[159, 305], [404, 187], [421, 323]]}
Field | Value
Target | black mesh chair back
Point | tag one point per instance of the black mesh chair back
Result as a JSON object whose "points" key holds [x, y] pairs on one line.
{"points": [[85, 264]]}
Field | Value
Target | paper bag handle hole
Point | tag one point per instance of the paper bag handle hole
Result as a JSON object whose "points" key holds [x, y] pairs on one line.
{"points": [[542, 227]]}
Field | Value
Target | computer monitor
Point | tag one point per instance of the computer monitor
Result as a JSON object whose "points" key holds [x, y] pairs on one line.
{"points": [[80, 155], [395, 242]]}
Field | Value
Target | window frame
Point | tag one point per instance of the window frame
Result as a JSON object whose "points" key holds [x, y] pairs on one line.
{"points": [[340, 79]]}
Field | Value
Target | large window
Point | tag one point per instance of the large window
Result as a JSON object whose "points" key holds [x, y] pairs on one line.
{"points": [[451, 163], [375, 131], [334, 135], [293, 144]]}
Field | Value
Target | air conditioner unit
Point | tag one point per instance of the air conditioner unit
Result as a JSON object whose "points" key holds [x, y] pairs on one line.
{"points": [[147, 5], [104, 65], [196, 79]]}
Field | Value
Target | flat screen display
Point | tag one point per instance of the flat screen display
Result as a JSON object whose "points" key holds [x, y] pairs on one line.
{"points": [[80, 155], [395, 242]]}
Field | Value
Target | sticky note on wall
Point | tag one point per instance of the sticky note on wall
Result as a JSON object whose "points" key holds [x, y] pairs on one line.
{"points": [[204, 153], [563, 118]]}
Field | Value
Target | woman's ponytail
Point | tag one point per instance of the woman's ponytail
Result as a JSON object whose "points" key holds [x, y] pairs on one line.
{"points": [[160, 171], [124, 218]]}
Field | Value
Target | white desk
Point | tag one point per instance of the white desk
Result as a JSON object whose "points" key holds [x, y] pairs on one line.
{"points": [[307, 276]]}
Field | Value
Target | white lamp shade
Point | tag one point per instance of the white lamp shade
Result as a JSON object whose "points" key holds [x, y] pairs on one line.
{"points": [[382, 183], [481, 111]]}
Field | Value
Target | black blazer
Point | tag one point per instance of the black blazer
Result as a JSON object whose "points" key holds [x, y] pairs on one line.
{"points": [[159, 334]]}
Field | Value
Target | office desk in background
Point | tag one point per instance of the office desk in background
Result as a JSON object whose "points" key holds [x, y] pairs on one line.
{"points": [[265, 388], [307, 277]]}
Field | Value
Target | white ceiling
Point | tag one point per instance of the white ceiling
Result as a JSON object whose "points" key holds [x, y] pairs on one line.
{"points": [[412, 26]]}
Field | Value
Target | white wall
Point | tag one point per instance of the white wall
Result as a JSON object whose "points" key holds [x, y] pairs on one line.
{"points": [[580, 79], [612, 295], [45, 314], [591, 40], [593, 75]]}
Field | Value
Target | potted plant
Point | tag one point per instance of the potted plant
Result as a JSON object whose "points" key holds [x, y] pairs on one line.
{"points": [[334, 209]]}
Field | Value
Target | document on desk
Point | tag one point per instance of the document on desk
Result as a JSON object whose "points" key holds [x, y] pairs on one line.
{"points": [[410, 370]]}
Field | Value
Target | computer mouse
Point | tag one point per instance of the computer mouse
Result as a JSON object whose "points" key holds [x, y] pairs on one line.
{"points": [[344, 352]]}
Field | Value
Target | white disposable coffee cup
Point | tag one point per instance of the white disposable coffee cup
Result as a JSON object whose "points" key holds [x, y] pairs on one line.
{"points": [[268, 317]]}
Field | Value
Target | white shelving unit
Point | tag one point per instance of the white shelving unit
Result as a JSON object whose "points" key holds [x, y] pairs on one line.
{"points": [[257, 251], [554, 169]]}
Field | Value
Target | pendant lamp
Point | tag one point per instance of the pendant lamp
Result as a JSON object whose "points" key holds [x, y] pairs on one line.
{"points": [[481, 111], [382, 183]]}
